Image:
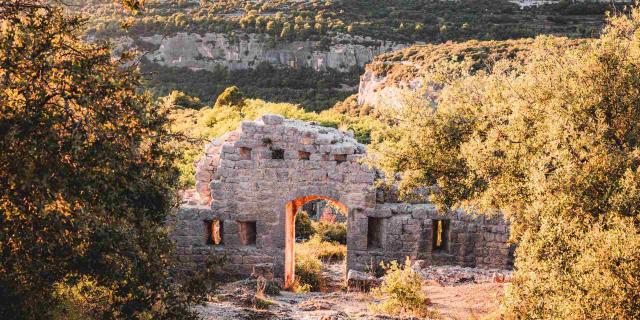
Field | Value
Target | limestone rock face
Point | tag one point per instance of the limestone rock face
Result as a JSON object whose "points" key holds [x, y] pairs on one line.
{"points": [[245, 51], [378, 87], [412, 68]]}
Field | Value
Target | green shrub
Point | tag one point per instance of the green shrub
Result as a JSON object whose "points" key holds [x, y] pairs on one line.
{"points": [[231, 96], [260, 301], [401, 292], [331, 232], [178, 99], [87, 178], [304, 226], [272, 288], [309, 257], [323, 250], [81, 298]]}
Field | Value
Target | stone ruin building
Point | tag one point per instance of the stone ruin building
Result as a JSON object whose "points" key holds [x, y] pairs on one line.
{"points": [[252, 181]]}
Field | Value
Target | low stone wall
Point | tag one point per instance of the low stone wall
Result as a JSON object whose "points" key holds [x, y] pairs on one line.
{"points": [[193, 251], [407, 231]]}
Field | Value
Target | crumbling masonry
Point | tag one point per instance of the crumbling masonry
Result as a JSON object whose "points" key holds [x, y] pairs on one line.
{"points": [[251, 182]]}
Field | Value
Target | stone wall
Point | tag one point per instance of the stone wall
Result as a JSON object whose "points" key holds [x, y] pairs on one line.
{"points": [[251, 174], [407, 231], [255, 178]]}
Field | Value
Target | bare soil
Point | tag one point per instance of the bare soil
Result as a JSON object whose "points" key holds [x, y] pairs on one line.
{"points": [[461, 301]]}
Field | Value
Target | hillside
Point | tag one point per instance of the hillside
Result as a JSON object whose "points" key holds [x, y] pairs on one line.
{"points": [[426, 68], [307, 52]]}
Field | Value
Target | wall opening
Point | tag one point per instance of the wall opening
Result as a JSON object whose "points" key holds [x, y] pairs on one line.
{"points": [[440, 235], [340, 158], [374, 233], [293, 207], [213, 232], [247, 233], [303, 155], [245, 153], [277, 154]]}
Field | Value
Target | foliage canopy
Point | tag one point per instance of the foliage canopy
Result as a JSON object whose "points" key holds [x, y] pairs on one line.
{"points": [[554, 145], [86, 178]]}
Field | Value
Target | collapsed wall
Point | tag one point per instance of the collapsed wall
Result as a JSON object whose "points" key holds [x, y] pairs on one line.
{"points": [[251, 182]]}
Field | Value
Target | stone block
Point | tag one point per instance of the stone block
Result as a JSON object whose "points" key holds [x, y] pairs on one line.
{"points": [[324, 139], [343, 148], [263, 270], [272, 119], [228, 148], [361, 282]]}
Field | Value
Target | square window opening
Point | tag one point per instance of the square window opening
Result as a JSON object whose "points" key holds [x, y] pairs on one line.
{"points": [[214, 231], [374, 233], [304, 155], [247, 232], [245, 153], [277, 154], [340, 158], [440, 235]]}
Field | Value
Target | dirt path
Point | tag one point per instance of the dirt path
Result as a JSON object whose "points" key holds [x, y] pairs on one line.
{"points": [[469, 301], [466, 301]]}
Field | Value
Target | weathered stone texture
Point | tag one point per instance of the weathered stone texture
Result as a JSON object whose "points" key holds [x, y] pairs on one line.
{"points": [[407, 232], [241, 51], [250, 174]]}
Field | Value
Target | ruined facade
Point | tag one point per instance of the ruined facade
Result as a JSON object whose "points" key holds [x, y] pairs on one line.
{"points": [[252, 181]]}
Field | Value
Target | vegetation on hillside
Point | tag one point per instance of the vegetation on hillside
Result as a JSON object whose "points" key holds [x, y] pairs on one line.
{"points": [[401, 21], [284, 21], [439, 65], [553, 144], [315, 91], [87, 179]]}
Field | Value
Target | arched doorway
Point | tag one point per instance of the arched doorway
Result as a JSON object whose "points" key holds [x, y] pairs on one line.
{"points": [[292, 208]]}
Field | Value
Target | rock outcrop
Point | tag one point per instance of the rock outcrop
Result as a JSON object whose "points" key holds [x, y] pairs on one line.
{"points": [[419, 67], [245, 51]]}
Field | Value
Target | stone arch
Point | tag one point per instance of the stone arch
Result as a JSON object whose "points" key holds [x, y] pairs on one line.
{"points": [[253, 173], [291, 210]]}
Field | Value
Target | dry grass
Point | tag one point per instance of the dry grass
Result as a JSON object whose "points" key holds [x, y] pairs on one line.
{"points": [[322, 250], [310, 256]]}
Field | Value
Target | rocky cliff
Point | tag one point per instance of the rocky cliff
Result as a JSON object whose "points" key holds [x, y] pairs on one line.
{"points": [[245, 51], [423, 68]]}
